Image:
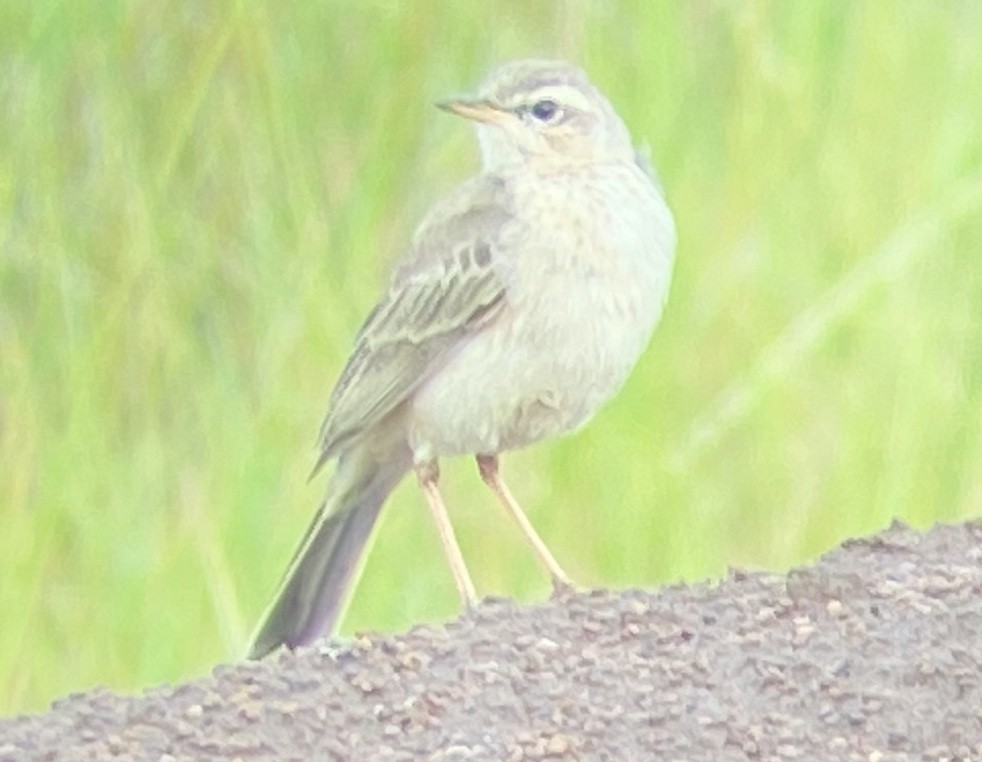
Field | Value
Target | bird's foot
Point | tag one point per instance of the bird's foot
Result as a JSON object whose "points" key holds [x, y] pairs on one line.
{"points": [[562, 588]]}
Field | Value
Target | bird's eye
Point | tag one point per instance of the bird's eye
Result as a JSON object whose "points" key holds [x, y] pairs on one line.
{"points": [[546, 111]]}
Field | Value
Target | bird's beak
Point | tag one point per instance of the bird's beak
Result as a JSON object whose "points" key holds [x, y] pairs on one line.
{"points": [[475, 110]]}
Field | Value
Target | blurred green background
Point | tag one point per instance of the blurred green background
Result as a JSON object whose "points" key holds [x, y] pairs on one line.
{"points": [[199, 201]]}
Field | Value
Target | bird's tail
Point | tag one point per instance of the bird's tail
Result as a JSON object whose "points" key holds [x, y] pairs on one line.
{"points": [[311, 597]]}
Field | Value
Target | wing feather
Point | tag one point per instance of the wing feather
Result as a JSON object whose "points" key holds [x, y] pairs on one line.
{"points": [[449, 286]]}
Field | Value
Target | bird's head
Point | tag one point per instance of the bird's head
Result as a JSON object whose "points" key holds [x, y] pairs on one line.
{"points": [[543, 111]]}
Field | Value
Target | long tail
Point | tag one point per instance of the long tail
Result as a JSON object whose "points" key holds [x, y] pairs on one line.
{"points": [[311, 596]]}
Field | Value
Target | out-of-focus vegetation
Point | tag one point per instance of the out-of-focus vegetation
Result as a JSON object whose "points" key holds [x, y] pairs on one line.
{"points": [[199, 201]]}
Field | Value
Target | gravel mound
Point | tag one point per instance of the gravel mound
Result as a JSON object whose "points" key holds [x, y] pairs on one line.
{"points": [[874, 653]]}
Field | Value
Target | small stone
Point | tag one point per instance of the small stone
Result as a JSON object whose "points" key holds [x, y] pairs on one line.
{"points": [[557, 745]]}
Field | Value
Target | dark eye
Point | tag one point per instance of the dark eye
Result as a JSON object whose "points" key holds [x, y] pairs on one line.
{"points": [[545, 110]]}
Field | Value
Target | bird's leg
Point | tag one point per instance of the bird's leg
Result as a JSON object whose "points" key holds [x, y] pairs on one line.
{"points": [[428, 474], [488, 466]]}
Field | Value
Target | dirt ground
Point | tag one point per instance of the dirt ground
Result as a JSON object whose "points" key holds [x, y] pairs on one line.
{"points": [[874, 653]]}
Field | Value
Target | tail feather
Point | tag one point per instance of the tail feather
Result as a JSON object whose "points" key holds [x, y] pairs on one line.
{"points": [[311, 596]]}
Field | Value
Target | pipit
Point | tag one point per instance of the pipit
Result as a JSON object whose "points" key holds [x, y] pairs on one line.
{"points": [[518, 309]]}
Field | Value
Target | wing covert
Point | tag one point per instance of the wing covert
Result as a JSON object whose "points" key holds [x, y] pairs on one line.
{"points": [[449, 285]]}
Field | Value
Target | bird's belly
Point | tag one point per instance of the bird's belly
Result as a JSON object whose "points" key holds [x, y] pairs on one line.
{"points": [[539, 371]]}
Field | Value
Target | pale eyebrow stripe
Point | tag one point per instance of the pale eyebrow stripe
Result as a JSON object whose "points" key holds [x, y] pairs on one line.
{"points": [[564, 95]]}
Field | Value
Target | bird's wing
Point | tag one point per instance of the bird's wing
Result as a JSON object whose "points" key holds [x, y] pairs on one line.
{"points": [[448, 286]]}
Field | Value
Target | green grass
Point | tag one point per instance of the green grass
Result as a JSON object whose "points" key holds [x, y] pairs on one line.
{"points": [[199, 201]]}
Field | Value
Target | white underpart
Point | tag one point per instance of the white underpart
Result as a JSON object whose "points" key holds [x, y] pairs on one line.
{"points": [[545, 366]]}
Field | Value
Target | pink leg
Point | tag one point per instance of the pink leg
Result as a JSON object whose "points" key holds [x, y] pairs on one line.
{"points": [[488, 466], [428, 474]]}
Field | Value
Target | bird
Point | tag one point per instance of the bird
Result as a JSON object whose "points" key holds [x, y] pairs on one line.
{"points": [[518, 309]]}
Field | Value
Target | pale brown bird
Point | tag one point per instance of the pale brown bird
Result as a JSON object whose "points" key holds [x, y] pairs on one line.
{"points": [[518, 310]]}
